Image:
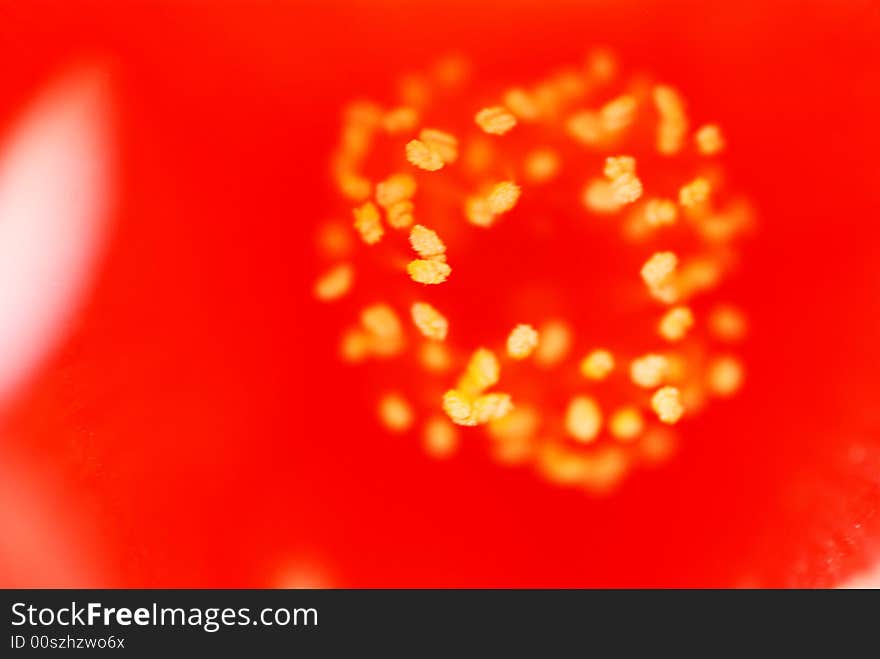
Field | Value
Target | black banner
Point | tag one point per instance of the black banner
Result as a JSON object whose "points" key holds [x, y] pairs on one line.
{"points": [[409, 622]]}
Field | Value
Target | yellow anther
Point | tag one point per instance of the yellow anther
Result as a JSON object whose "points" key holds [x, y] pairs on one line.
{"points": [[548, 99], [554, 343], [660, 212], [666, 403], [334, 283], [562, 466], [442, 143], [541, 165], [519, 425], [439, 437], [694, 193], [426, 242], [431, 323], [381, 321], [625, 185], [605, 468], [435, 357], [414, 90], [709, 140], [522, 341], [421, 156], [626, 423], [353, 186], [400, 214], [676, 323], [424, 271], [482, 372], [569, 85], [458, 407], [626, 189], [727, 323], [503, 197], [583, 419], [368, 223], [397, 187], [649, 371], [355, 345], [617, 166], [618, 113], [478, 212], [522, 104], [363, 114], [495, 120], [599, 196], [668, 101], [602, 65], [659, 268], [585, 127], [698, 274], [490, 407], [673, 125], [725, 376], [597, 365], [400, 120], [395, 413], [657, 273]]}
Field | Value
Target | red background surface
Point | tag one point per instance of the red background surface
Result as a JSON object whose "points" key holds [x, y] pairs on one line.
{"points": [[196, 430]]}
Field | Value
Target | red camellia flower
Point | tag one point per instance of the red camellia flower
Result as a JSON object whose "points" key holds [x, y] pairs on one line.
{"points": [[252, 252]]}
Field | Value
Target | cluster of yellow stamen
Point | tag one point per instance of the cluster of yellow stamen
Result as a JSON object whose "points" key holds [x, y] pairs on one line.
{"points": [[625, 185], [438, 179], [658, 274], [496, 120], [431, 268]]}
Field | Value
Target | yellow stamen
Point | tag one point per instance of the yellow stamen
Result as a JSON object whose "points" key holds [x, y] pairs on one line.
{"points": [[666, 402], [423, 157], [431, 323], [676, 323], [553, 344], [597, 365], [442, 143], [395, 413], [626, 423], [440, 437], [495, 120], [583, 419], [522, 341], [709, 140], [400, 215], [397, 187], [725, 376], [503, 197], [649, 371], [425, 271], [368, 223], [334, 283], [426, 242]]}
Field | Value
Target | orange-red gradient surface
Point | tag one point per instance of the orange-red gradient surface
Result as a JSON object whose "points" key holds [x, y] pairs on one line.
{"points": [[196, 427]]}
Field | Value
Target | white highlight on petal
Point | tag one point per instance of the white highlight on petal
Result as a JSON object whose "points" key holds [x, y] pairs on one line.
{"points": [[55, 193]]}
